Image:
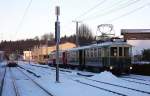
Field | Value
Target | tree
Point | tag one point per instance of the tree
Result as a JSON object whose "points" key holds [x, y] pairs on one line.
{"points": [[85, 35], [47, 36], [146, 54], [36, 38]]}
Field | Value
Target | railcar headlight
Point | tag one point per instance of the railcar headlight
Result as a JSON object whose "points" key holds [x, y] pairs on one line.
{"points": [[131, 68], [111, 67]]}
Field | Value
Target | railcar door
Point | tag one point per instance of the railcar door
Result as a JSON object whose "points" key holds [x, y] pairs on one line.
{"points": [[64, 58], [82, 59]]}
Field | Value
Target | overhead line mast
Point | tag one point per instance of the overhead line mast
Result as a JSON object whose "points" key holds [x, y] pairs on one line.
{"points": [[77, 33], [57, 40]]}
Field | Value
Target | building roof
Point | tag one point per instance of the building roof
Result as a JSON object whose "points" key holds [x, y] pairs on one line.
{"points": [[123, 31]]}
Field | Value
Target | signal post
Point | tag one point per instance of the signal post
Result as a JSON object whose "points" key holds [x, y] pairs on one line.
{"points": [[57, 40]]}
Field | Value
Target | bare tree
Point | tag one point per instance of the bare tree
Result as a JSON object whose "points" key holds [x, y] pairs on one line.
{"points": [[47, 36], [36, 38], [85, 35], [85, 31]]}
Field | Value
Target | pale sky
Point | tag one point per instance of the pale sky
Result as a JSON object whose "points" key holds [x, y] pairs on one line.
{"points": [[40, 17]]}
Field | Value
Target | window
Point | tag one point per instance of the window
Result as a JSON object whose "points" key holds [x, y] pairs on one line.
{"points": [[95, 52], [99, 51], [120, 51], [126, 51], [113, 51], [87, 53], [91, 51]]}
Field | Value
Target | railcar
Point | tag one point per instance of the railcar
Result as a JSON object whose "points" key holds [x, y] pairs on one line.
{"points": [[12, 62], [62, 58], [114, 56]]}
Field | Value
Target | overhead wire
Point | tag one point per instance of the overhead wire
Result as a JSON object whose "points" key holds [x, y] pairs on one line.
{"points": [[23, 17], [102, 8], [94, 7], [91, 9], [128, 13], [125, 5]]}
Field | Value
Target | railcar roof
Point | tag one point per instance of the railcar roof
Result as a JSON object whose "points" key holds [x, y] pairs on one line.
{"points": [[106, 44]]}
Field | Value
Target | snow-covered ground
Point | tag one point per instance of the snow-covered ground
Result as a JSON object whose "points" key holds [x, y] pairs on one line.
{"points": [[77, 83]]}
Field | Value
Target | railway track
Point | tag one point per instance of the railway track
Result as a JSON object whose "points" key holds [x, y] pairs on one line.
{"points": [[104, 89], [79, 81], [3, 74], [100, 88], [39, 66], [29, 71], [14, 83], [119, 86], [37, 84], [63, 70], [136, 78], [136, 82]]}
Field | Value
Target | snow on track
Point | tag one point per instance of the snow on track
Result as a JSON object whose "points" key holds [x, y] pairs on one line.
{"points": [[102, 84], [107, 83], [26, 86], [8, 88]]}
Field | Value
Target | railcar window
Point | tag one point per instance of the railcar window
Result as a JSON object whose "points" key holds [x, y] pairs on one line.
{"points": [[99, 51], [113, 51], [86, 53], [95, 52], [126, 51], [120, 51], [91, 51]]}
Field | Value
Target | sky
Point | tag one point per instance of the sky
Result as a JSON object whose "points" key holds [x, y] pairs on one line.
{"points": [[22, 19]]}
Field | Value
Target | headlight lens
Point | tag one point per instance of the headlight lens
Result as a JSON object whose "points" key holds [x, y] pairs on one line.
{"points": [[111, 67], [131, 68]]}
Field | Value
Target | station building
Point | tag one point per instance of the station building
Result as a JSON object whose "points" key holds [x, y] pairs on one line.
{"points": [[138, 38]]}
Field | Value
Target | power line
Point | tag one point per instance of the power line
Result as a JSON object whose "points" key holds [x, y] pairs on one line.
{"points": [[86, 12], [114, 9], [23, 17], [103, 8], [128, 13]]}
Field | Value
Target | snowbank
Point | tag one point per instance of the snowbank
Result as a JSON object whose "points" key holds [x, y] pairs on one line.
{"points": [[106, 76]]}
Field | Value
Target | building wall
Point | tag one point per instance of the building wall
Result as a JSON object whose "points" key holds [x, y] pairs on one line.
{"points": [[38, 53], [27, 55]]}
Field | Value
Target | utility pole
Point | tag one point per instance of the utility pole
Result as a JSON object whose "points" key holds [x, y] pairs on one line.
{"points": [[57, 40], [77, 33]]}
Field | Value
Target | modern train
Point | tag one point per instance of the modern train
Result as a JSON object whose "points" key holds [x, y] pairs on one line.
{"points": [[114, 56]]}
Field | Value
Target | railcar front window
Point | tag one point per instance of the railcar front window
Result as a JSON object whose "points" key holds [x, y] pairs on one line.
{"points": [[120, 51], [126, 51], [113, 51]]}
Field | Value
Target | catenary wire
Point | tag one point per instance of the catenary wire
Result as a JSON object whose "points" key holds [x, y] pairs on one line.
{"points": [[113, 10], [23, 17], [128, 13]]}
